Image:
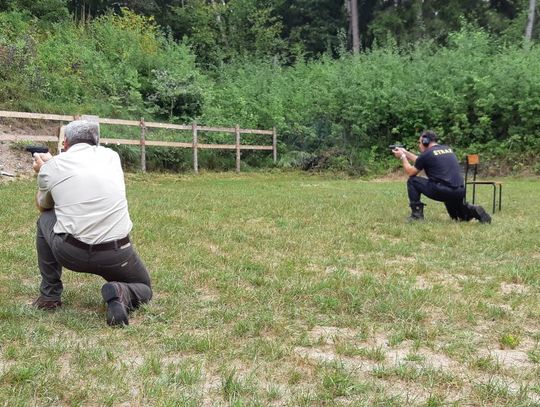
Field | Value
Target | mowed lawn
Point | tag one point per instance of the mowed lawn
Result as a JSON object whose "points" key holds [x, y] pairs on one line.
{"points": [[285, 289]]}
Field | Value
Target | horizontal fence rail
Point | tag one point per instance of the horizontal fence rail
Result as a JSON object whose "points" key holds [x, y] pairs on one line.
{"points": [[143, 142], [22, 137]]}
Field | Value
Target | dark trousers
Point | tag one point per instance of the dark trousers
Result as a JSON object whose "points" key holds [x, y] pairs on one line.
{"points": [[121, 264], [453, 198]]}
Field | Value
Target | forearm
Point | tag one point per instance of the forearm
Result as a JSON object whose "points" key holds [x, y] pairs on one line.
{"points": [[38, 205], [410, 156], [410, 170], [405, 157]]}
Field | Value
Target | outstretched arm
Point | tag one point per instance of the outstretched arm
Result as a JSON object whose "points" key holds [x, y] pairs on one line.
{"points": [[406, 157]]}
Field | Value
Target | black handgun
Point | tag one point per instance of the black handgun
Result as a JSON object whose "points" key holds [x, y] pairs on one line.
{"points": [[36, 149], [394, 146]]}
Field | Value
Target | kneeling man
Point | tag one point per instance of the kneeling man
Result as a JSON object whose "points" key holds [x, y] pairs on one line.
{"points": [[444, 182], [84, 224]]}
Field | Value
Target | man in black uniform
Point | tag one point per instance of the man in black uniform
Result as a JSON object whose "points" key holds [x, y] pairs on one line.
{"points": [[444, 182]]}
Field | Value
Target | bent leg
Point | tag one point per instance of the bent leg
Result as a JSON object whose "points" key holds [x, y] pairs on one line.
{"points": [[136, 294], [51, 270], [451, 197], [416, 186], [455, 210], [140, 292], [125, 268], [454, 202]]}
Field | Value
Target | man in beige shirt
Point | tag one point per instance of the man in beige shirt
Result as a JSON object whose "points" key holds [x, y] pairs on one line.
{"points": [[84, 224]]}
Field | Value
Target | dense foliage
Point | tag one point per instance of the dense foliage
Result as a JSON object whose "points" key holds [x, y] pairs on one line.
{"points": [[286, 64], [114, 66]]}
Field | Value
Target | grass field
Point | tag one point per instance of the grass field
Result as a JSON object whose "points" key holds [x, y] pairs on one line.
{"points": [[285, 289]]}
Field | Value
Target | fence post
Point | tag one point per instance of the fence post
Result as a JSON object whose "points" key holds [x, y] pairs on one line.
{"points": [[274, 144], [195, 143], [143, 145], [237, 148], [61, 133]]}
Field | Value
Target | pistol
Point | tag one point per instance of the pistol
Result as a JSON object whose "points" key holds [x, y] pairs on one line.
{"points": [[36, 149], [394, 146]]}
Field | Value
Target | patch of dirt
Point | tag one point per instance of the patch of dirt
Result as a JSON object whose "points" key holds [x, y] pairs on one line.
{"points": [[329, 334], [407, 355], [395, 356], [510, 358], [399, 260], [422, 284], [409, 391], [65, 366], [215, 250], [13, 159], [210, 389], [401, 353], [28, 127], [333, 269], [319, 354], [14, 162], [410, 394], [5, 365], [514, 288], [205, 295], [456, 281]]}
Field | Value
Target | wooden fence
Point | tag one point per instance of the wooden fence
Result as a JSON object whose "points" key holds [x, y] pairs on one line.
{"points": [[143, 142]]}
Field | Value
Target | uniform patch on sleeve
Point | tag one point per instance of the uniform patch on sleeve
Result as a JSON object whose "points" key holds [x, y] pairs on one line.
{"points": [[443, 151]]}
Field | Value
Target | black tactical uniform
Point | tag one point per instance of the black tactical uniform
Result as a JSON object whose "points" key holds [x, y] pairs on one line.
{"points": [[444, 183]]}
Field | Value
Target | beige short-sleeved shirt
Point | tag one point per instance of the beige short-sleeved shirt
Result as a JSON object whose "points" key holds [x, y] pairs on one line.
{"points": [[85, 185]]}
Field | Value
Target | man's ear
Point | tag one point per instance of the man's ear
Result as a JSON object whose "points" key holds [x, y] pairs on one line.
{"points": [[66, 146]]}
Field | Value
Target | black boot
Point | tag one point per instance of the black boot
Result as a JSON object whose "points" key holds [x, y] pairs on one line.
{"points": [[477, 212], [417, 212], [117, 308]]}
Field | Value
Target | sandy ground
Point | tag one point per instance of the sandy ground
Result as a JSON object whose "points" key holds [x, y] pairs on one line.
{"points": [[13, 159], [15, 162]]}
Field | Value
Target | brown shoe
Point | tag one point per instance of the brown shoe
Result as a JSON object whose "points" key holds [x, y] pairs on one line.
{"points": [[47, 304]]}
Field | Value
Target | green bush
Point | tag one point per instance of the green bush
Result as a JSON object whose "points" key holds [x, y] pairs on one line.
{"points": [[113, 66], [479, 95]]}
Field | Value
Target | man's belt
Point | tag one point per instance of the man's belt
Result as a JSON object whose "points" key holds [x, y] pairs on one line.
{"points": [[113, 244], [444, 184]]}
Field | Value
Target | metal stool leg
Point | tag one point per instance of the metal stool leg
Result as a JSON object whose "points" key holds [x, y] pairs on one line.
{"points": [[494, 196], [500, 196]]}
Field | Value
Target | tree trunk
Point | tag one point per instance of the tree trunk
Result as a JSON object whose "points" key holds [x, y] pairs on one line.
{"points": [[347, 4], [354, 26], [530, 20], [420, 27], [220, 23]]}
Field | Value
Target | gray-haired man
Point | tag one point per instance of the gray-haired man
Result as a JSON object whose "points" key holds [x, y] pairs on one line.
{"points": [[84, 223]]}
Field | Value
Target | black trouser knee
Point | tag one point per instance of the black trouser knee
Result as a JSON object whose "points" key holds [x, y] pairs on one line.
{"points": [[452, 197]]}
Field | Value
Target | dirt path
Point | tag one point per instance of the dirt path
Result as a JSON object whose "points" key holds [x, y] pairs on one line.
{"points": [[13, 159]]}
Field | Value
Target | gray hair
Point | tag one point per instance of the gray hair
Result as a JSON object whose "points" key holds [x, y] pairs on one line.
{"points": [[82, 131]]}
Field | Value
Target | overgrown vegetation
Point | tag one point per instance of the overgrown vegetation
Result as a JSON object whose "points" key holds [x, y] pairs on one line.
{"points": [[480, 92]]}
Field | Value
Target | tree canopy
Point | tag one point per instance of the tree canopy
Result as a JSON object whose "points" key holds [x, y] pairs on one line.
{"points": [[223, 30]]}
